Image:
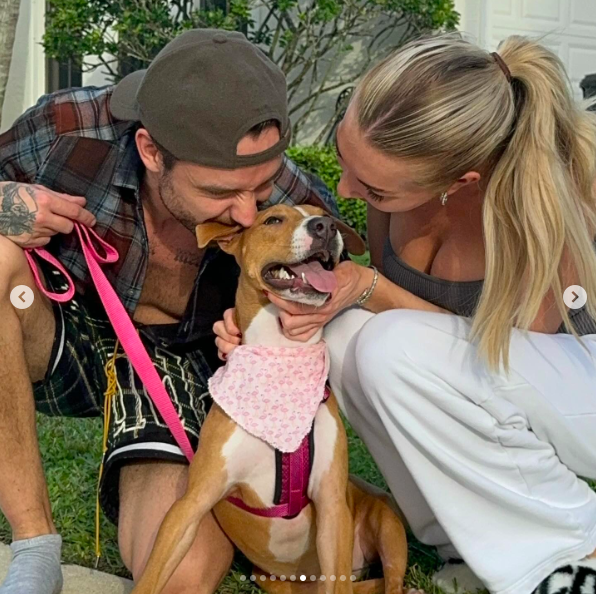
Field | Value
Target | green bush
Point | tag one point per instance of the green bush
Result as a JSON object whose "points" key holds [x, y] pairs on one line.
{"points": [[322, 161]]}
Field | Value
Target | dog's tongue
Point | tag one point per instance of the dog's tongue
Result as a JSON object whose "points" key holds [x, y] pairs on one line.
{"points": [[322, 280]]}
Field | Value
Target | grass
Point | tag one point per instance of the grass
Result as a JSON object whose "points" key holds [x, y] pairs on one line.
{"points": [[71, 450]]}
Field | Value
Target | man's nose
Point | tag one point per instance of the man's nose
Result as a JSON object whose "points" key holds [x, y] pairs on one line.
{"points": [[244, 211], [323, 228]]}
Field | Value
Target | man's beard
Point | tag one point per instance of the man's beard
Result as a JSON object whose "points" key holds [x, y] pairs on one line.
{"points": [[173, 203]]}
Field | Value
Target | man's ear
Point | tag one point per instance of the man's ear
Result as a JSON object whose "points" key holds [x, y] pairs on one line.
{"points": [[226, 236], [352, 241]]}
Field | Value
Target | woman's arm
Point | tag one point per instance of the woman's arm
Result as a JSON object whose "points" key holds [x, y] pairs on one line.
{"points": [[301, 322], [388, 295]]}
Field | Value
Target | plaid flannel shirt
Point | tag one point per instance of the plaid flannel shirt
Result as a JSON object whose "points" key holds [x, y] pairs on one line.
{"points": [[69, 142]]}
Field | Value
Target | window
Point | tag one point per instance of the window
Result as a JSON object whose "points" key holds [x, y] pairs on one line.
{"points": [[62, 75]]}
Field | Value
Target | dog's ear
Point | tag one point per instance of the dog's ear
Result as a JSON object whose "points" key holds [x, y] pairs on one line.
{"points": [[352, 241], [226, 236]]}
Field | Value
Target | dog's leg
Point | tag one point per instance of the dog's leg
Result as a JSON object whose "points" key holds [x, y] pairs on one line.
{"points": [[207, 484], [329, 494], [374, 586], [393, 547], [382, 532], [335, 541]]}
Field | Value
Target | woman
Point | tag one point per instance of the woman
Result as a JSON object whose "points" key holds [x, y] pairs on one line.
{"points": [[460, 370]]}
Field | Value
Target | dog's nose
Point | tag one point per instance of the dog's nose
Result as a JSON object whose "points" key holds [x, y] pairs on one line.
{"points": [[322, 228]]}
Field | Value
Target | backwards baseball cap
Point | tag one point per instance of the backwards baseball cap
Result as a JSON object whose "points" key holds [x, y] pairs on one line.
{"points": [[202, 94]]}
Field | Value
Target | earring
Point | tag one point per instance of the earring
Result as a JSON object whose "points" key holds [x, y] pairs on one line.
{"points": [[443, 198]]}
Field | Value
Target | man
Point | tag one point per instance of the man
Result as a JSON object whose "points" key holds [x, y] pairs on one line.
{"points": [[198, 136]]}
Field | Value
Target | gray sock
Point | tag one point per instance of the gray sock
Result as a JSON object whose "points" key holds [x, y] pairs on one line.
{"points": [[35, 566]]}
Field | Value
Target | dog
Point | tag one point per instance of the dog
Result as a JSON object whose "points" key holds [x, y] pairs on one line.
{"points": [[326, 524]]}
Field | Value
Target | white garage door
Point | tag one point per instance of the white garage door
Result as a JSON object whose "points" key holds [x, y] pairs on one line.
{"points": [[569, 27]]}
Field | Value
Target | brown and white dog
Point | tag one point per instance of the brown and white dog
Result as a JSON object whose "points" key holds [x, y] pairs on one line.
{"points": [[347, 525]]}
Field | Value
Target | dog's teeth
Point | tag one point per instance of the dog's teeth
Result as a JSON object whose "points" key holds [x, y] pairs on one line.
{"points": [[304, 279]]}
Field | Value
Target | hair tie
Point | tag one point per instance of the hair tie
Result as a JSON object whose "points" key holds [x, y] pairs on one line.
{"points": [[502, 65]]}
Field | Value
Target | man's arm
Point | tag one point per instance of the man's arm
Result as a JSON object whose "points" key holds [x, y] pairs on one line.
{"points": [[31, 214], [295, 186]]}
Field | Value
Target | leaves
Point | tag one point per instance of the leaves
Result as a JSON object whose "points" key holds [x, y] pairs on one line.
{"points": [[322, 46]]}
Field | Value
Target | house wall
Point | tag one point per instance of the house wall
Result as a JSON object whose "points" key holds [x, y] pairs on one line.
{"points": [[568, 27], [26, 80]]}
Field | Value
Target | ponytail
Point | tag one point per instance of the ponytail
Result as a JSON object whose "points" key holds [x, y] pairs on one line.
{"points": [[539, 202]]}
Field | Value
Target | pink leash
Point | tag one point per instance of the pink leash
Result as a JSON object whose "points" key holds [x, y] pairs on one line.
{"points": [[296, 467], [121, 322]]}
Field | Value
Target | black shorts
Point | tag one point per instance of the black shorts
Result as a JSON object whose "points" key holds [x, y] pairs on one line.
{"points": [[76, 382]]}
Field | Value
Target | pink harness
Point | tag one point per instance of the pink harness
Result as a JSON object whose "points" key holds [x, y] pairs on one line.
{"points": [[295, 465]]}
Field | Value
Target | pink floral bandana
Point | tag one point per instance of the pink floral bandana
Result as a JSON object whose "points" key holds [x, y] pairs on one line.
{"points": [[273, 393]]}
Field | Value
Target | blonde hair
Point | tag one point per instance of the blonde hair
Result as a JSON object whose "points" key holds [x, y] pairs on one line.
{"points": [[448, 106]]}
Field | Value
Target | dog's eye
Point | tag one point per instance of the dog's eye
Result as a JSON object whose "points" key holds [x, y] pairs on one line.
{"points": [[273, 221]]}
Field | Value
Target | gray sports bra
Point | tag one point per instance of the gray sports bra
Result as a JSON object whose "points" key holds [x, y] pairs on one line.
{"points": [[459, 297]]}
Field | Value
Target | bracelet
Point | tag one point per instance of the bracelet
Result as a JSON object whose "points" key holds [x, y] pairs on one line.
{"points": [[367, 294]]}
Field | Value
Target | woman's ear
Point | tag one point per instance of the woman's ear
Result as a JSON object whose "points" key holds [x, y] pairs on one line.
{"points": [[226, 236], [352, 241], [472, 177]]}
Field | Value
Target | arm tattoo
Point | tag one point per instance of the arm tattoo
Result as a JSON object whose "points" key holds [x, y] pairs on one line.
{"points": [[17, 216]]}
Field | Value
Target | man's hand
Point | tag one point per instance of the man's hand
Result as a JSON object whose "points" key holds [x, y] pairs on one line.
{"points": [[30, 214]]}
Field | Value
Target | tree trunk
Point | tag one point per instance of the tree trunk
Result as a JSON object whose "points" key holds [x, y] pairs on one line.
{"points": [[9, 15]]}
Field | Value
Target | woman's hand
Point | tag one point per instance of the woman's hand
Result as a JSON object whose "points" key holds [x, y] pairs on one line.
{"points": [[228, 335], [301, 322]]}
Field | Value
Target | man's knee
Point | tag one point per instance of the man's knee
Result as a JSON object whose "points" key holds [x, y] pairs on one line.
{"points": [[196, 577], [13, 264], [34, 326], [201, 571], [147, 491]]}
